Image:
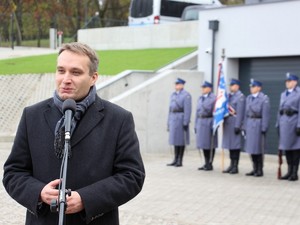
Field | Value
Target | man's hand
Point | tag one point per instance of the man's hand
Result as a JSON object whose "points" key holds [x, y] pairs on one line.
{"points": [[50, 192], [74, 203]]}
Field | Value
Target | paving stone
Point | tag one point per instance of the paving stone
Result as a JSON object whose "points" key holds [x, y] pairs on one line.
{"points": [[186, 196]]}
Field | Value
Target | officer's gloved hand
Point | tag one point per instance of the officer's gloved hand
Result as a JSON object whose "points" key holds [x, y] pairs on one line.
{"points": [[185, 127], [168, 129], [195, 130], [237, 130], [298, 131], [263, 132]]}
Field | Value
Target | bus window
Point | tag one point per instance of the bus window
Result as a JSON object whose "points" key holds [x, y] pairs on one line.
{"points": [[141, 8], [173, 8]]}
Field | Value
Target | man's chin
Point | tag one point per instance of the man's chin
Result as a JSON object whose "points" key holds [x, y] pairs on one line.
{"points": [[65, 96]]}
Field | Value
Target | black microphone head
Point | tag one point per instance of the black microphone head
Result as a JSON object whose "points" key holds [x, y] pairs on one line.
{"points": [[69, 104]]}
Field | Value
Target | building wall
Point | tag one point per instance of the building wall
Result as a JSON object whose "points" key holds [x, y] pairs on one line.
{"points": [[181, 34], [259, 30], [149, 104]]}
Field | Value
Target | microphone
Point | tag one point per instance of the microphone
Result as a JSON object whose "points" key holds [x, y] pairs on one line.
{"points": [[69, 108]]}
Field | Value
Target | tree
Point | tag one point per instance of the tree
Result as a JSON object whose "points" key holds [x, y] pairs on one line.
{"points": [[33, 18]]}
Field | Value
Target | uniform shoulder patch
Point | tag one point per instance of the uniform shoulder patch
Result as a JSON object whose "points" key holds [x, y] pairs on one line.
{"points": [[266, 98]]}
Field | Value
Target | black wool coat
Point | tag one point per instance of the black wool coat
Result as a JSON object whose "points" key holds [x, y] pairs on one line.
{"points": [[106, 167]]}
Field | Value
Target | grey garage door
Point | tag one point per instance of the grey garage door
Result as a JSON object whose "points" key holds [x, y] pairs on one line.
{"points": [[270, 71]]}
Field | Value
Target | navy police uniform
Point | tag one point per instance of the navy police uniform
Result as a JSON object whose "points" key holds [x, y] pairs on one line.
{"points": [[178, 122], [288, 123], [256, 123], [232, 135]]}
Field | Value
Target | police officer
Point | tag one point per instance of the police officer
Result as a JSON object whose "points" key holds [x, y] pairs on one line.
{"points": [[288, 123], [204, 125], [257, 116], [232, 138], [178, 121]]}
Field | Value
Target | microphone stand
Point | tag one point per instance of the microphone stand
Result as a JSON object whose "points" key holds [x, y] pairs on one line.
{"points": [[61, 203], [62, 191], [69, 107]]}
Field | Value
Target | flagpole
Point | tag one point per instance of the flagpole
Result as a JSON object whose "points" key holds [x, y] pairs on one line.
{"points": [[223, 151], [220, 107], [222, 164], [214, 129]]}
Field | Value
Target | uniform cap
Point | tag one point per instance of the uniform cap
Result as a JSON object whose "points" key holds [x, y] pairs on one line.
{"points": [[290, 76], [235, 81], [206, 84], [180, 81], [255, 83]]}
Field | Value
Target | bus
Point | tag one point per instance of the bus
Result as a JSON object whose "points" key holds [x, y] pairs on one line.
{"points": [[148, 12]]}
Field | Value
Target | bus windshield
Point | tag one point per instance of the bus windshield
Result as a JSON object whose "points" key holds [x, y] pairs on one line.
{"points": [[173, 8]]}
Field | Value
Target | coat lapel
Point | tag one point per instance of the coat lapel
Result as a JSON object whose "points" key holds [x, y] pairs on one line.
{"points": [[91, 119], [52, 116]]}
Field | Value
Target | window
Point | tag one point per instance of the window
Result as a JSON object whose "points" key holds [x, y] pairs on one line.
{"points": [[141, 8]]}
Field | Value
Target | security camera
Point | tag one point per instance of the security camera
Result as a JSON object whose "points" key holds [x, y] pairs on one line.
{"points": [[208, 51]]}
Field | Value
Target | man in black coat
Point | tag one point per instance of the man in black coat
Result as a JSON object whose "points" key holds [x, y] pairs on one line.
{"points": [[105, 169]]}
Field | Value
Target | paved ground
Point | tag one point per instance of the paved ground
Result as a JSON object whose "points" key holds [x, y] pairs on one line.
{"points": [[185, 196], [6, 53]]}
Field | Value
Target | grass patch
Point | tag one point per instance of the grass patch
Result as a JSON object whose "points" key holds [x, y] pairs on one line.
{"points": [[111, 62]]}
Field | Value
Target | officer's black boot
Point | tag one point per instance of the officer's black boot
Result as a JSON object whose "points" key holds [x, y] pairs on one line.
{"points": [[254, 163], [235, 158], [296, 158], [260, 165], [180, 156], [209, 166], [206, 159], [176, 155], [235, 169], [228, 170], [289, 161], [294, 175]]}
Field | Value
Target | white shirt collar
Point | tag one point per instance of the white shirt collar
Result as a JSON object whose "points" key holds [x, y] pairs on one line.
{"points": [[255, 95]]}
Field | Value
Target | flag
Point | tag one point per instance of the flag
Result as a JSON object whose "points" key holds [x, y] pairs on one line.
{"points": [[221, 104]]}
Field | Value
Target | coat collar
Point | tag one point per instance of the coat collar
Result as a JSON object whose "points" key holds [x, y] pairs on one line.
{"points": [[91, 119]]}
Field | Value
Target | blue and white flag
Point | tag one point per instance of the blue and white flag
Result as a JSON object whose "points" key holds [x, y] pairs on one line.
{"points": [[221, 104]]}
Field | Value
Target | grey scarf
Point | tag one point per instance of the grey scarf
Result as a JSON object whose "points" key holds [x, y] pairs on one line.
{"points": [[81, 107]]}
